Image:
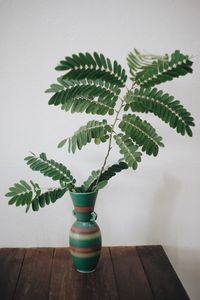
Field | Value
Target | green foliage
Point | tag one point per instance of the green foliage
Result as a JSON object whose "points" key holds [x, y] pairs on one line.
{"points": [[91, 83], [96, 97], [20, 193], [31, 195], [50, 168], [101, 86], [162, 105], [142, 133], [113, 170], [149, 70], [92, 66], [129, 150], [85, 134], [51, 196], [90, 183]]}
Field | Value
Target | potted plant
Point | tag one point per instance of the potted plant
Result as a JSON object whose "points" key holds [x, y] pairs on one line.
{"points": [[92, 84]]}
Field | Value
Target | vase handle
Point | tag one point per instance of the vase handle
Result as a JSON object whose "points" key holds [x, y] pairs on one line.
{"points": [[93, 216]]}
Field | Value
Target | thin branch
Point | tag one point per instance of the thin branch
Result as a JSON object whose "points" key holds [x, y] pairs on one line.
{"points": [[110, 141]]}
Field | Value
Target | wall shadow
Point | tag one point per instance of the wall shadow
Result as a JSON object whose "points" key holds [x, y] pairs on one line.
{"points": [[162, 209], [186, 262], [162, 230]]}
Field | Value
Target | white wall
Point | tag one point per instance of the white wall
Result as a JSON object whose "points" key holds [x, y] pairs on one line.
{"points": [[157, 204]]}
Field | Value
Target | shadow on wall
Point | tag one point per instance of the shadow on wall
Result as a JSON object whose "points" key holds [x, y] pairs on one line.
{"points": [[162, 210], [187, 264], [185, 260]]}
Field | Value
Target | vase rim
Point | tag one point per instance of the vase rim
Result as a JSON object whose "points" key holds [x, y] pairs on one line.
{"points": [[81, 193]]}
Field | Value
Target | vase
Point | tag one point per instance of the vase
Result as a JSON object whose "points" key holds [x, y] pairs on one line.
{"points": [[85, 234]]}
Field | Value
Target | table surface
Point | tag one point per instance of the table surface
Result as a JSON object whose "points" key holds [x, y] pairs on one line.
{"points": [[141, 272]]}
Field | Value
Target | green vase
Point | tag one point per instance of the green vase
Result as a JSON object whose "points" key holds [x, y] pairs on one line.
{"points": [[85, 235]]}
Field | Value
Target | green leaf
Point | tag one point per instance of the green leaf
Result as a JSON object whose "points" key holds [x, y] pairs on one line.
{"points": [[101, 185], [162, 105], [25, 184], [50, 168], [96, 97], [32, 195], [149, 70], [142, 133], [97, 141], [129, 150], [20, 194], [86, 186], [85, 134], [62, 143], [54, 88], [92, 66], [89, 184]]}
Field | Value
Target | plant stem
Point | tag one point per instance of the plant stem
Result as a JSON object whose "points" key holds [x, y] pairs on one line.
{"points": [[110, 140]]}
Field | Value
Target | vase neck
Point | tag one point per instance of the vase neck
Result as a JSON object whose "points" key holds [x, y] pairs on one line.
{"points": [[85, 216], [84, 205]]}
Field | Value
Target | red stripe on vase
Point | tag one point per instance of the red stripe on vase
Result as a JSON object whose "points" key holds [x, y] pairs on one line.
{"points": [[84, 209], [84, 230]]}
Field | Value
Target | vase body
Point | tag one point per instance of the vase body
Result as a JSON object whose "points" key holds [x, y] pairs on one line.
{"points": [[85, 235]]}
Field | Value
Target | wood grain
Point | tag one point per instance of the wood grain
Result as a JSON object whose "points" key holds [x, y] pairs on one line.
{"points": [[11, 261], [35, 275], [163, 280], [130, 277], [123, 273]]}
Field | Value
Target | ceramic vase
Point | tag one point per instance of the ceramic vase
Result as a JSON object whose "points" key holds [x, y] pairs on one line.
{"points": [[85, 234]]}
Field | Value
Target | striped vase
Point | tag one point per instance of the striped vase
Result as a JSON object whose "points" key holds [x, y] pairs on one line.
{"points": [[85, 235]]}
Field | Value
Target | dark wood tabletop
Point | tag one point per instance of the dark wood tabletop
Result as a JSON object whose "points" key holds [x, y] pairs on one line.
{"points": [[141, 272]]}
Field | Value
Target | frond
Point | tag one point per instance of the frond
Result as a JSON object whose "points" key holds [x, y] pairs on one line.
{"points": [[142, 133], [91, 131], [23, 193], [50, 168], [162, 105], [90, 183], [92, 66], [128, 149], [20, 193], [96, 97], [51, 196], [113, 170], [98, 83], [150, 70]]}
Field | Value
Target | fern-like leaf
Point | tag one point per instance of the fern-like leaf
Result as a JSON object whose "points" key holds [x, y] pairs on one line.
{"points": [[163, 105], [20, 194], [142, 133], [31, 195], [50, 196], [110, 172], [129, 150], [50, 168], [113, 170], [92, 130], [101, 85], [90, 183], [96, 66], [94, 97], [149, 70]]}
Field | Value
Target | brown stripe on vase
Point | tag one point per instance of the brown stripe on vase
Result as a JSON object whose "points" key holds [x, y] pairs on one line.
{"points": [[84, 230], [84, 209], [85, 250]]}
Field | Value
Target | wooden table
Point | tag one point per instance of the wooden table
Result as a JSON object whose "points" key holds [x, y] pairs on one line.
{"points": [[142, 272]]}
